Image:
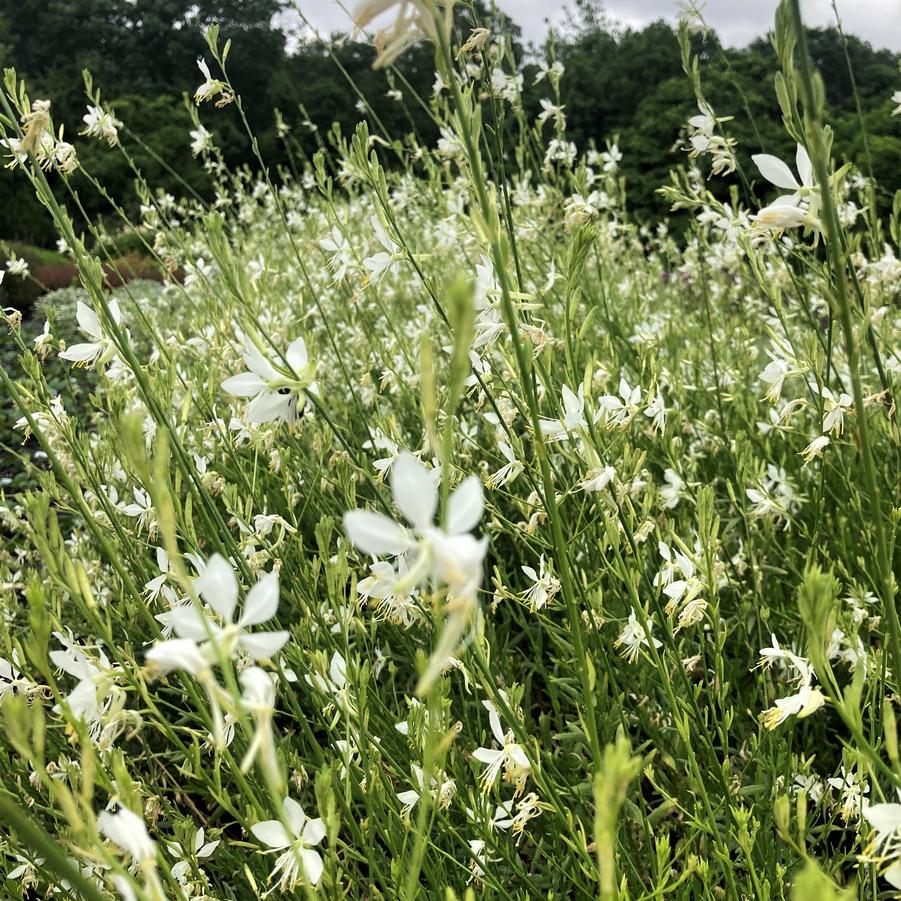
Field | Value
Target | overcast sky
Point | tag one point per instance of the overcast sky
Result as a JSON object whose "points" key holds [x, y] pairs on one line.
{"points": [[736, 21]]}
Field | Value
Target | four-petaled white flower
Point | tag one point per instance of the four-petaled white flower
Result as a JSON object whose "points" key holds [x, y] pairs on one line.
{"points": [[212, 87], [202, 849], [449, 554], [635, 635], [218, 587], [544, 585], [509, 758], [275, 389], [885, 820], [296, 838], [806, 700], [573, 418], [100, 123], [788, 210], [102, 349]]}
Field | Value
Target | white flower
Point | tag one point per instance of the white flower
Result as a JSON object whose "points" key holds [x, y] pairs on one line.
{"points": [[544, 588], [553, 73], [619, 410], [611, 158], [573, 418], [443, 789], [634, 635], [380, 264], [885, 820], [297, 838], [597, 478], [127, 830], [211, 87], [414, 20], [395, 599], [102, 349], [218, 587], [12, 681], [509, 471], [853, 793], [671, 492], [95, 682], [101, 124], [201, 140], [550, 110], [157, 586], [656, 412], [896, 98], [509, 758], [788, 210], [202, 849], [339, 247], [808, 698], [815, 448], [275, 389], [17, 266], [834, 409], [451, 555], [479, 858]]}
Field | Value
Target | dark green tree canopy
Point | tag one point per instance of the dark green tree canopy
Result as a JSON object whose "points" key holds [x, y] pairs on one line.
{"points": [[627, 83]]}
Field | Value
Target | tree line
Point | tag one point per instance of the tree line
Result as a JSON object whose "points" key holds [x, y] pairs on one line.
{"points": [[626, 83]]}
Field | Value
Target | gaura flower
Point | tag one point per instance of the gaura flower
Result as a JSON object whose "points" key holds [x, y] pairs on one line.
{"points": [[448, 554], [573, 417], [102, 349], [275, 389], [634, 635], [885, 820], [296, 838], [212, 87], [789, 210], [127, 830], [808, 698], [202, 849], [218, 587], [415, 19], [509, 758], [101, 124]]}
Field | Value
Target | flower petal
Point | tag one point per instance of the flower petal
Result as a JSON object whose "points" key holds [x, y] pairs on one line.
{"points": [[269, 406], [263, 645], [414, 490], [294, 816], [88, 320], [312, 864], [261, 602], [313, 832], [465, 507], [218, 586], [374, 533], [775, 171], [296, 355], [272, 834], [187, 621], [81, 353], [245, 384], [805, 167], [487, 755]]}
